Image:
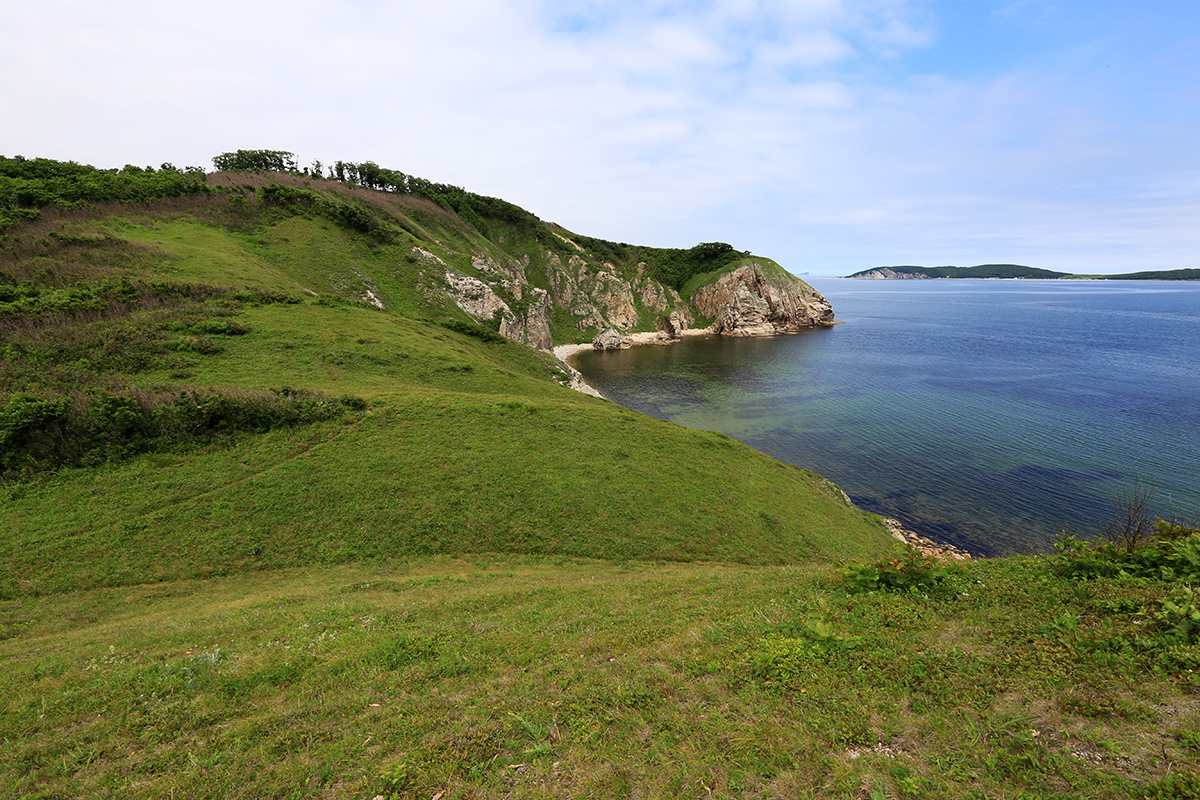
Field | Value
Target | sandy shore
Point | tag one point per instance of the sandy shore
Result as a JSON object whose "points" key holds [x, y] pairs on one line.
{"points": [[564, 351]]}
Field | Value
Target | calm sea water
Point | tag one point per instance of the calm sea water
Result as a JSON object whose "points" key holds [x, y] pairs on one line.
{"points": [[988, 414]]}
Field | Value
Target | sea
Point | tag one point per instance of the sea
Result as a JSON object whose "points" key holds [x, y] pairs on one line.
{"points": [[994, 415]]}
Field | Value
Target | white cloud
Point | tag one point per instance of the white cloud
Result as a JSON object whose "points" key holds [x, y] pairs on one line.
{"points": [[791, 128]]}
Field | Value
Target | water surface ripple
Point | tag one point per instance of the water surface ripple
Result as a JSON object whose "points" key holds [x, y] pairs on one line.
{"points": [[989, 414]]}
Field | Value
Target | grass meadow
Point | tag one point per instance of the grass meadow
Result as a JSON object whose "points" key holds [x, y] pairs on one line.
{"points": [[505, 677]]}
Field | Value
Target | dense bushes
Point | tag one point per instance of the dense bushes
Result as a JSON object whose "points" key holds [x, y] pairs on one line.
{"points": [[255, 161], [913, 571], [30, 184], [349, 215], [25, 304], [472, 329], [44, 433], [671, 266], [1171, 552], [1148, 587], [57, 340]]}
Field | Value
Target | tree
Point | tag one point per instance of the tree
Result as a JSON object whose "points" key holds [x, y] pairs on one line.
{"points": [[256, 161]]}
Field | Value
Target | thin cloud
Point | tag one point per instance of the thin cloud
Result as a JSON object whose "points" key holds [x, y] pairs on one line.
{"points": [[829, 135]]}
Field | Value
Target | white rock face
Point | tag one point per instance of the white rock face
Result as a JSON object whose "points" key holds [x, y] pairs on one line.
{"points": [[534, 328], [745, 303], [474, 296], [608, 340], [481, 301]]}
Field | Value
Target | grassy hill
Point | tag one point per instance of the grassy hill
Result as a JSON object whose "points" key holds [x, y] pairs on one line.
{"points": [[278, 518], [202, 385]]}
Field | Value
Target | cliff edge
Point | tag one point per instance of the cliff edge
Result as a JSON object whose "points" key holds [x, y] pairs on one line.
{"points": [[754, 300]]}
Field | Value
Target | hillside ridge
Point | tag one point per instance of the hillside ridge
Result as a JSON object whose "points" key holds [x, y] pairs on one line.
{"points": [[910, 272], [273, 369]]}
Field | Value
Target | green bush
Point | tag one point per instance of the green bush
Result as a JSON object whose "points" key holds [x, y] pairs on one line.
{"points": [[1179, 615], [471, 329], [913, 571], [34, 431], [30, 184], [40, 434], [1171, 552]]}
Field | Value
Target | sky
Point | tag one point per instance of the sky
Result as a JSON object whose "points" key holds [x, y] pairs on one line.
{"points": [[829, 135]]}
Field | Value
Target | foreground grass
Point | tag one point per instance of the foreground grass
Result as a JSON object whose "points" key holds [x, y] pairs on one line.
{"points": [[511, 678]]}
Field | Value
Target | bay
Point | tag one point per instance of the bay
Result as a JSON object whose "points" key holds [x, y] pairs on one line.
{"points": [[992, 415]]}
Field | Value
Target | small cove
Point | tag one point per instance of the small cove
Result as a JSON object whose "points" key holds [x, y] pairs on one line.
{"points": [[988, 414]]}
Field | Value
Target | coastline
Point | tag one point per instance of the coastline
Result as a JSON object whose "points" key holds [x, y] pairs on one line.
{"points": [[564, 351], [942, 551]]}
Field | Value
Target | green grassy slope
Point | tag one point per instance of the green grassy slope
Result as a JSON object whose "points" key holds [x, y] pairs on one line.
{"points": [[468, 444], [425, 473], [495, 678]]}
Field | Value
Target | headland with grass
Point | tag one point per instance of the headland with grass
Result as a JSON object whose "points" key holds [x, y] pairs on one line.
{"points": [[286, 512]]}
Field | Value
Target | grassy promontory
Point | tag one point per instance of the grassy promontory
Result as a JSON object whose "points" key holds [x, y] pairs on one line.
{"points": [[262, 537]]}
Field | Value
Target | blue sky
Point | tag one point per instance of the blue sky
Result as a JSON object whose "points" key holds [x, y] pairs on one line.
{"points": [[829, 135]]}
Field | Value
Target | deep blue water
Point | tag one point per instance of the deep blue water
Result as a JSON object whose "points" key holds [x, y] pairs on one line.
{"points": [[989, 414]]}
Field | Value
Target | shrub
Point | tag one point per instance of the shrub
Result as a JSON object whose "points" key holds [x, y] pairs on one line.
{"points": [[471, 329], [34, 431], [1179, 615], [1169, 552], [39, 434], [913, 571]]}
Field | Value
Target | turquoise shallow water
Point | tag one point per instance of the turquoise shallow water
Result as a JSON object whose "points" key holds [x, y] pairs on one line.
{"points": [[989, 414]]}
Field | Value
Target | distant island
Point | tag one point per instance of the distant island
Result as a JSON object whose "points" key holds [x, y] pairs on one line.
{"points": [[1016, 271]]}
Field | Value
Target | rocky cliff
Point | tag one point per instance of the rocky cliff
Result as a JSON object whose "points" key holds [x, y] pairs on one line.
{"points": [[756, 298], [432, 249], [754, 301]]}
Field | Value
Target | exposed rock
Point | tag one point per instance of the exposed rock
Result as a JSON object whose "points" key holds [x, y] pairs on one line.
{"points": [[756, 299], [653, 296], [474, 296], [534, 328], [573, 379], [481, 301], [942, 552], [425, 255], [745, 303], [615, 297], [608, 339], [513, 269], [675, 323]]}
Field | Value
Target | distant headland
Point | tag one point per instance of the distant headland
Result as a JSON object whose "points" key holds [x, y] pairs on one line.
{"points": [[1016, 271]]}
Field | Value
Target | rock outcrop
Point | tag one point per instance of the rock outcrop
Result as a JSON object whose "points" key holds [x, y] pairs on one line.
{"points": [[608, 340], [628, 306], [942, 552], [482, 302], [745, 302], [675, 323]]}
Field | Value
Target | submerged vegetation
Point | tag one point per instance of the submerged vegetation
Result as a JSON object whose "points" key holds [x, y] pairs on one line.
{"points": [[279, 519]]}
